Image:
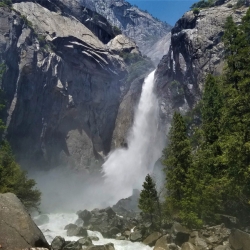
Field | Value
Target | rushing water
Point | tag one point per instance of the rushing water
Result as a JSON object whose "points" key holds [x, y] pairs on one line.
{"points": [[126, 169], [58, 221]]}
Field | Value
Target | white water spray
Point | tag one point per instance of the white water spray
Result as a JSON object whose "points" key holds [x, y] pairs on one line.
{"points": [[126, 169]]}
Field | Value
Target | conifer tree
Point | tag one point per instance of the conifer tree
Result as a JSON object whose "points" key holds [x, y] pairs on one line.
{"points": [[211, 110], [177, 158], [149, 200]]}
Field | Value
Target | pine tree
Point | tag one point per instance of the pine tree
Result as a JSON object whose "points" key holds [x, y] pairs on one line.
{"points": [[149, 200], [177, 158], [211, 110], [15, 180]]}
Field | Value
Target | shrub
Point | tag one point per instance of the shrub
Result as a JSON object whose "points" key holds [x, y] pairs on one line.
{"points": [[15, 180], [196, 11], [5, 3], [116, 30]]}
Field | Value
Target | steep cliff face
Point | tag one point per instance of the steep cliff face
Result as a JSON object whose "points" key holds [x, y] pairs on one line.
{"points": [[63, 87], [139, 25], [196, 49]]}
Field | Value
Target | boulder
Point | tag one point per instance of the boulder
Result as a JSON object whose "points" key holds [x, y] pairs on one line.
{"points": [[121, 237], [73, 246], [188, 246], [152, 238], [162, 243], [17, 229], [85, 215], [200, 242], [109, 246], [85, 241], [94, 238], [77, 231], [239, 240], [179, 233], [110, 212], [135, 236], [58, 243]]}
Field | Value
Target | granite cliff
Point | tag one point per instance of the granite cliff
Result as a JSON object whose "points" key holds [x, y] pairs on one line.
{"points": [[139, 25], [196, 49], [63, 86]]}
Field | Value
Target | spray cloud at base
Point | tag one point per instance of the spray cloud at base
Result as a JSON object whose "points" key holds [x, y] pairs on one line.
{"points": [[124, 170]]}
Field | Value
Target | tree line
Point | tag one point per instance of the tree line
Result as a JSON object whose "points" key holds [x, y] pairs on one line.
{"points": [[207, 159]]}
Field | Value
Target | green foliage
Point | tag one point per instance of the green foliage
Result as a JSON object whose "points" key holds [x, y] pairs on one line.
{"points": [[214, 176], [177, 92], [149, 200], [196, 11], [116, 30], [14, 180], [202, 4], [5, 3], [27, 22]]}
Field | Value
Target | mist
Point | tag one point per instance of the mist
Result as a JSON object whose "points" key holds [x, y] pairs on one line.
{"points": [[124, 169]]}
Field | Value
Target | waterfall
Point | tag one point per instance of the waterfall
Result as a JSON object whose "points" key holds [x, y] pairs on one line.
{"points": [[126, 168]]}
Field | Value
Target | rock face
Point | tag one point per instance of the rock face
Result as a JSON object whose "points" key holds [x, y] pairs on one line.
{"points": [[196, 49], [134, 23], [17, 230], [239, 240], [63, 86]]}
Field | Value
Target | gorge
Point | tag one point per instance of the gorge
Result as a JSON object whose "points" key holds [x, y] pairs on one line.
{"points": [[88, 121]]}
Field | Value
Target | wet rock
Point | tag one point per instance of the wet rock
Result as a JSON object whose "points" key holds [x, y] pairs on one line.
{"points": [[109, 246], [94, 238], [85, 215], [73, 246], [76, 231], [87, 241], [135, 236], [152, 238], [121, 237], [58, 243], [17, 229]]}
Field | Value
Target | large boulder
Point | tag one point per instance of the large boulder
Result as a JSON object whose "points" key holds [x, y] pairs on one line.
{"points": [[85, 215], [162, 243], [152, 238], [239, 240], [58, 243], [179, 233], [17, 229], [76, 231], [136, 236]]}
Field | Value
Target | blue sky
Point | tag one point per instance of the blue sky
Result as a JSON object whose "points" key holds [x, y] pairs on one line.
{"points": [[166, 10]]}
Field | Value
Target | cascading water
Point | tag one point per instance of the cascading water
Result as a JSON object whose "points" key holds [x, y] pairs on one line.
{"points": [[126, 169]]}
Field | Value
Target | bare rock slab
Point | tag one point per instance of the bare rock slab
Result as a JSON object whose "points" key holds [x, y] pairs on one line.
{"points": [[17, 229]]}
